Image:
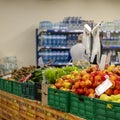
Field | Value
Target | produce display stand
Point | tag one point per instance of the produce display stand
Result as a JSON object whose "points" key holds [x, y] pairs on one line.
{"points": [[14, 107]]}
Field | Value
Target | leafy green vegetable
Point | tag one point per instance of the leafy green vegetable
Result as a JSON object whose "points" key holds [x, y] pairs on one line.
{"points": [[52, 73], [37, 75]]}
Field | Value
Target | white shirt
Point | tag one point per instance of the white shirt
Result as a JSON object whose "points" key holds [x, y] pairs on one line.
{"points": [[77, 52]]}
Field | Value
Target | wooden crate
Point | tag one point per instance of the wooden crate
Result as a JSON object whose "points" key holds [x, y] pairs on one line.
{"points": [[22, 107], [26, 117], [31, 108], [39, 112], [73, 117], [13, 107]]}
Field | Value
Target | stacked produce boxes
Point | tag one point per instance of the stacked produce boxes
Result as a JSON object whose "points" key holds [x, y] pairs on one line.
{"points": [[17, 108], [69, 92], [83, 99]]}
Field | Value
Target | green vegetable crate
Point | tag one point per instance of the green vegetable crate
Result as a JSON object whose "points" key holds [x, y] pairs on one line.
{"points": [[17, 88], [38, 91], [59, 99], [8, 86], [2, 82], [28, 90], [32, 91], [93, 108], [82, 106], [105, 110]]}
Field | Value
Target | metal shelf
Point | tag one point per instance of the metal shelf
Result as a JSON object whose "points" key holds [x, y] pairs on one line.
{"points": [[64, 48], [59, 64], [53, 47], [111, 31], [110, 39], [60, 31], [117, 63], [111, 47]]}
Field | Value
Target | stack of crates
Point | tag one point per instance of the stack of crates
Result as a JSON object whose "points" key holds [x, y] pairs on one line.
{"points": [[27, 90]]}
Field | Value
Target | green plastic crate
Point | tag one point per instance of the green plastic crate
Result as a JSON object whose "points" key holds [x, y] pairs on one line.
{"points": [[17, 88], [2, 82], [82, 106], [8, 86], [28, 90], [59, 99], [38, 91], [106, 110]]}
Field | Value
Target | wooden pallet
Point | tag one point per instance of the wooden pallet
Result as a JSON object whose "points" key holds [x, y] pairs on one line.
{"points": [[13, 107]]}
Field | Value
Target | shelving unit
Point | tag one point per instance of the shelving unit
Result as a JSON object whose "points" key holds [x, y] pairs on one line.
{"points": [[111, 42], [54, 50], [54, 44]]}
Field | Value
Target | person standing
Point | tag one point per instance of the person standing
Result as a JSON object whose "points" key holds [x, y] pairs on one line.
{"points": [[77, 51]]}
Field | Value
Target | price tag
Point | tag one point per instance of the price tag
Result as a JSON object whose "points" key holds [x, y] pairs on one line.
{"points": [[102, 62], [63, 30], [108, 34], [103, 87], [108, 59], [119, 56], [56, 30], [40, 62]]}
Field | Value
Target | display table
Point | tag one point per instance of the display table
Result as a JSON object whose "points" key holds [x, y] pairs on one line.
{"points": [[13, 107]]}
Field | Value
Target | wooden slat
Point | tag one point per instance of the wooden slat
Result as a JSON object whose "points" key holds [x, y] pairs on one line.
{"points": [[48, 113]]}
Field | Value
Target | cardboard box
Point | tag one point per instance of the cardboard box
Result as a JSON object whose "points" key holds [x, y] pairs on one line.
{"points": [[45, 93]]}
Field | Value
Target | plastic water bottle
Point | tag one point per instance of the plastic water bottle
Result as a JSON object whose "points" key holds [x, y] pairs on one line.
{"points": [[61, 40], [69, 40], [54, 55], [40, 54], [49, 40], [62, 56], [64, 40], [45, 56], [41, 40], [58, 56], [73, 39], [45, 40], [53, 42], [51, 37], [50, 56], [57, 40]]}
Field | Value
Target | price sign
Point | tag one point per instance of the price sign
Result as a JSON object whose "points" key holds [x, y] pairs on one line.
{"points": [[103, 87], [108, 34], [40, 62], [108, 59], [102, 62]]}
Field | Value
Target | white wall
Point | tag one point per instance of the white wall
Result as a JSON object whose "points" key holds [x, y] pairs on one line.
{"points": [[20, 18]]}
